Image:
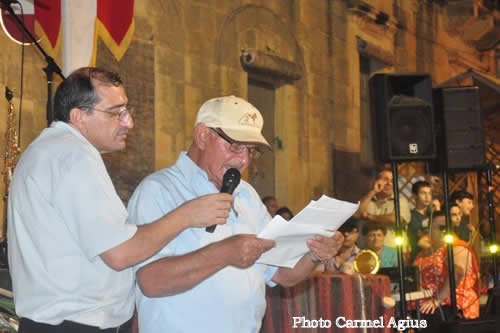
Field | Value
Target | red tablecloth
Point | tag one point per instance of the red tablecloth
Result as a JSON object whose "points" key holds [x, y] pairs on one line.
{"points": [[328, 297]]}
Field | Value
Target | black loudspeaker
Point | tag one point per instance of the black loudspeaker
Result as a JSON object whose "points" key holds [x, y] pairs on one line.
{"points": [[402, 107], [459, 130]]}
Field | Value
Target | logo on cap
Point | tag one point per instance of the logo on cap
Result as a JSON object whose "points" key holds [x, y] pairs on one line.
{"points": [[247, 117]]}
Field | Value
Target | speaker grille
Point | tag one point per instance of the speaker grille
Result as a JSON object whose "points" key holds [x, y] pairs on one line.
{"points": [[411, 133], [462, 141], [411, 127], [402, 108]]}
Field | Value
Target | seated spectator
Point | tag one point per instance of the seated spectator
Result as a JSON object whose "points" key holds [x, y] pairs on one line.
{"points": [[461, 229], [455, 216], [285, 213], [436, 204], [271, 204], [464, 201], [433, 261], [374, 234], [378, 205], [349, 250], [419, 222]]}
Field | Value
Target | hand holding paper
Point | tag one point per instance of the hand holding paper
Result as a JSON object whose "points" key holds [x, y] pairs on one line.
{"points": [[244, 249], [324, 248], [320, 217]]}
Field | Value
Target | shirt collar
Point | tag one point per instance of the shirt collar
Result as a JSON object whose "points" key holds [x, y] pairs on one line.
{"points": [[67, 127], [192, 172]]}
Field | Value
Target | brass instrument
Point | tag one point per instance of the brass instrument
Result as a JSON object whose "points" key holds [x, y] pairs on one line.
{"points": [[366, 262], [12, 152]]}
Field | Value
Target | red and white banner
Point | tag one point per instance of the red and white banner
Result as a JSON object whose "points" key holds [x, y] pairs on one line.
{"points": [[110, 20], [83, 22], [11, 27], [115, 24], [48, 25], [42, 19]]}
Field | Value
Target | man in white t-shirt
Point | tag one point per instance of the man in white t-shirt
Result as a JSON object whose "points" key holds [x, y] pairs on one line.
{"points": [[378, 205]]}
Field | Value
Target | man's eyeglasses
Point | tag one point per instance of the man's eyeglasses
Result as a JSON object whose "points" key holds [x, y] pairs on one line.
{"points": [[238, 148], [121, 113]]}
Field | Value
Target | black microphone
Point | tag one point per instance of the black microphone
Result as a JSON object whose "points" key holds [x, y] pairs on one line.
{"points": [[230, 181], [7, 3]]}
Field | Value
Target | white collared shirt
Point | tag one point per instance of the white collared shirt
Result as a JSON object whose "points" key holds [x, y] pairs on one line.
{"points": [[229, 301], [63, 212]]}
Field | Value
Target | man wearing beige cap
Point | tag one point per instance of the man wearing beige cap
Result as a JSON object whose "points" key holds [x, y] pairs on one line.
{"points": [[209, 282]]}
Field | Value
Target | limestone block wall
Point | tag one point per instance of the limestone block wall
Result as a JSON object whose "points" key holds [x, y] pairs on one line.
{"points": [[190, 51]]}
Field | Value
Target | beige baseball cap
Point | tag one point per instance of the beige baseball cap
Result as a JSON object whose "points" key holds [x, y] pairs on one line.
{"points": [[237, 118]]}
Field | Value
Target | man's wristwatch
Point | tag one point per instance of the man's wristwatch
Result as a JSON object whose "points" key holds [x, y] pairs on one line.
{"points": [[313, 258]]}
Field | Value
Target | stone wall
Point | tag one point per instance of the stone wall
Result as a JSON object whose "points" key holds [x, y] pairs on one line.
{"points": [[187, 51]]}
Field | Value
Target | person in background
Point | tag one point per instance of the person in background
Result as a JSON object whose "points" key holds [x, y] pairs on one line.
{"points": [[436, 204], [271, 204], [378, 205], [455, 216], [285, 213], [349, 250], [464, 201], [419, 222], [432, 262], [374, 234]]}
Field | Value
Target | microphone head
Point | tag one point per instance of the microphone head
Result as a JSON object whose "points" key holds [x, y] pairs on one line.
{"points": [[232, 174], [230, 180]]}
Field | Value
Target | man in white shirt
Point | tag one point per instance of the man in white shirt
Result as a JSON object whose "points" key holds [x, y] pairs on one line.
{"points": [[70, 248], [210, 282], [378, 205]]}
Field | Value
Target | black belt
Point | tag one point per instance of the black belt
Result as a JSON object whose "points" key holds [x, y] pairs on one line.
{"points": [[29, 326]]}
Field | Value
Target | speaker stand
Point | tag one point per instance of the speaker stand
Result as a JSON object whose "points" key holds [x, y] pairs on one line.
{"points": [[491, 217], [451, 261], [402, 291]]}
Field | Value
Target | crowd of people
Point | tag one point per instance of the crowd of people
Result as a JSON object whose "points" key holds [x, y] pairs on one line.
{"points": [[271, 204], [422, 229], [422, 226]]}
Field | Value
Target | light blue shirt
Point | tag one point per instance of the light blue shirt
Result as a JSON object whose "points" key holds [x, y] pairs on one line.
{"points": [[231, 300], [389, 257], [63, 213]]}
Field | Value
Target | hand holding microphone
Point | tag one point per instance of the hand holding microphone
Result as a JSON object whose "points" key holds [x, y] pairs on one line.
{"points": [[230, 181]]}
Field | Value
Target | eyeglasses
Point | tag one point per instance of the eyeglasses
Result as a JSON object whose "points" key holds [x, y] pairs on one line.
{"points": [[123, 111], [238, 148]]}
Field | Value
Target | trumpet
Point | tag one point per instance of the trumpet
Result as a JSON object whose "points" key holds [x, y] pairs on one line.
{"points": [[366, 262]]}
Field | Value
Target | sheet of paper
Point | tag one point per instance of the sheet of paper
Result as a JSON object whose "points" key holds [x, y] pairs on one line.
{"points": [[321, 217], [326, 212], [290, 241]]}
